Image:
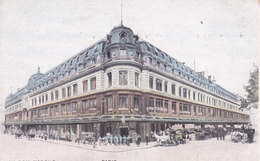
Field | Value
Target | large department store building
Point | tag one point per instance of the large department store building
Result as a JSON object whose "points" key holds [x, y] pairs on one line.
{"points": [[121, 85]]}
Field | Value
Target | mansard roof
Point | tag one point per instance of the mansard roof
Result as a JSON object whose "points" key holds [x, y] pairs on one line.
{"points": [[92, 55], [185, 72]]}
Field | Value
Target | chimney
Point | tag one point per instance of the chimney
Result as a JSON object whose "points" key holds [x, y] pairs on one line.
{"points": [[209, 78]]}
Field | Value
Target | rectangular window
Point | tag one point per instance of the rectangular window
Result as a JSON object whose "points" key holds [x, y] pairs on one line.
{"points": [[56, 94], [68, 108], [166, 106], [158, 84], [84, 106], [85, 85], [63, 110], [150, 60], [75, 89], [195, 110], [136, 102], [184, 92], [74, 107], [174, 107], [109, 102], [52, 96], [92, 104], [43, 99], [180, 91], [108, 55], [165, 86], [136, 79], [151, 82], [32, 102], [56, 110], [209, 112], [93, 83], [46, 97], [109, 77], [69, 91], [159, 105], [123, 77], [51, 111], [189, 94], [180, 108], [122, 53], [173, 89], [122, 99], [151, 102], [40, 100], [194, 96], [63, 92]]}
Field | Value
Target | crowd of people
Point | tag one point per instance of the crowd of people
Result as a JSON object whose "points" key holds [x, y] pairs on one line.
{"points": [[168, 136]]}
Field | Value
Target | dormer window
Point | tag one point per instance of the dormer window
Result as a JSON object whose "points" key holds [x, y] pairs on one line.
{"points": [[123, 37], [108, 55], [122, 53]]}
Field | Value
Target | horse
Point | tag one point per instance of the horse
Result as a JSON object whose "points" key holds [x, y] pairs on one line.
{"points": [[161, 140]]}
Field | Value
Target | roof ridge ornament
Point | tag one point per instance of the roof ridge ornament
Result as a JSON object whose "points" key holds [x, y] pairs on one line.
{"points": [[121, 15], [39, 69]]}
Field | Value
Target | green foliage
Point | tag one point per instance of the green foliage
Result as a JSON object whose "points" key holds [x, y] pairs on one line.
{"points": [[252, 89]]}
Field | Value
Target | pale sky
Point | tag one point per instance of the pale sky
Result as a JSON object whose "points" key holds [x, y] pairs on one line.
{"points": [[220, 36]]}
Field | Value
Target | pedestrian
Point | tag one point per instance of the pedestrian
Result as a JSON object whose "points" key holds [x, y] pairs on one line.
{"points": [[138, 140], [124, 140], [146, 139], [120, 140]]}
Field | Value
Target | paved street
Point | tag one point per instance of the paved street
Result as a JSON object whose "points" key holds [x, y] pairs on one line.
{"points": [[40, 150]]}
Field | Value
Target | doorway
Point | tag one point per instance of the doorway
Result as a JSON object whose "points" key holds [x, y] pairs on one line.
{"points": [[124, 131]]}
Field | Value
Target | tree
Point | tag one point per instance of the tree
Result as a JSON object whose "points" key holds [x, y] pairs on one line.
{"points": [[252, 90]]}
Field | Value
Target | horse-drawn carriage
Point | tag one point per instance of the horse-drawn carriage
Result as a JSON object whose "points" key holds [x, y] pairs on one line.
{"points": [[171, 137], [238, 136], [18, 135], [85, 137]]}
